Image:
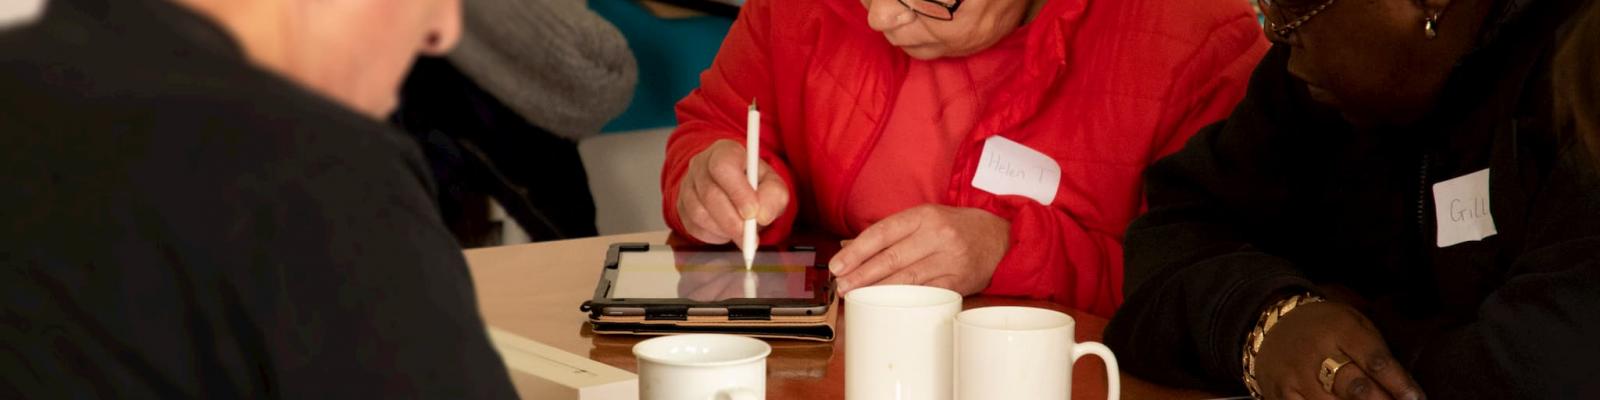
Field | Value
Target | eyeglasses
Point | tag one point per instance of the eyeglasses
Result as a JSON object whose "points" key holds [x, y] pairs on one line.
{"points": [[1285, 29], [933, 9]]}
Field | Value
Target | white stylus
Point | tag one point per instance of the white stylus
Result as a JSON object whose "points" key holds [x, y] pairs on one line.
{"points": [[752, 144]]}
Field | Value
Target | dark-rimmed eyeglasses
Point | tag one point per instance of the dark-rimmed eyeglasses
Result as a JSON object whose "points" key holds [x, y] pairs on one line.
{"points": [[1283, 30], [934, 9]]}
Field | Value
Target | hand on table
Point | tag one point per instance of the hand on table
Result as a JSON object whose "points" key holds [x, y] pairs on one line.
{"points": [[1292, 354], [932, 245], [714, 197]]}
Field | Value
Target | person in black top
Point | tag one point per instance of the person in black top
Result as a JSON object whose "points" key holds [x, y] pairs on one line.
{"points": [[1391, 212], [200, 201]]}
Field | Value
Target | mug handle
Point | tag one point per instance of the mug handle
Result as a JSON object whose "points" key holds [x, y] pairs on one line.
{"points": [[739, 393], [1113, 376]]}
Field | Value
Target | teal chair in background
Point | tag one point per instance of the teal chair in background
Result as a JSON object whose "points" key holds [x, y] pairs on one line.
{"points": [[671, 53]]}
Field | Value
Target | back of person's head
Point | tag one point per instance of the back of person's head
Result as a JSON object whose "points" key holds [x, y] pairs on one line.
{"points": [[353, 51], [1576, 81]]}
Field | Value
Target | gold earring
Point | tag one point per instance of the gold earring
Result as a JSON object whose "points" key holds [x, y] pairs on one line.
{"points": [[1428, 25]]}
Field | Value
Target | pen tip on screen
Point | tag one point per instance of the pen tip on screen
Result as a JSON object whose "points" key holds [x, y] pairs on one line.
{"points": [[749, 251]]}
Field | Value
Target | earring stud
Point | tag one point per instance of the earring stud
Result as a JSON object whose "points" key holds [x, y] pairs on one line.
{"points": [[1428, 25]]}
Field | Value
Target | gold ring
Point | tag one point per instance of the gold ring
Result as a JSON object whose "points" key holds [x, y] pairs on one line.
{"points": [[1330, 369]]}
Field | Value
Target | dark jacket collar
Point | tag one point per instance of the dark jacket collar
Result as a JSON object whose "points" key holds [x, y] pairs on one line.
{"points": [[173, 25]]}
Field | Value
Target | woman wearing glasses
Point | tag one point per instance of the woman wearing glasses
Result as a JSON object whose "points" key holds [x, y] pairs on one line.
{"points": [[983, 145], [1391, 212]]}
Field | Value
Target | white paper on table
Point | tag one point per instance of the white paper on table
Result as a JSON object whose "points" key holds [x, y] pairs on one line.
{"points": [[561, 375]]}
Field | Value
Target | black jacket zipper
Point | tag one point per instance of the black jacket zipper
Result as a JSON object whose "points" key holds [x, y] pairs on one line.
{"points": [[1422, 197]]}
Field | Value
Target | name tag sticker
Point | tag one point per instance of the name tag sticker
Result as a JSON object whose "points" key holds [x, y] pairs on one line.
{"points": [[1010, 168], [1462, 208]]}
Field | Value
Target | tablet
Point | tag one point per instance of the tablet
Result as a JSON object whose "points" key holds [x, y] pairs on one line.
{"points": [[660, 282]]}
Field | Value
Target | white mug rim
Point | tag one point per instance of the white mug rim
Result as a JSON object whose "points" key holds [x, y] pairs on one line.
{"points": [[934, 296], [766, 349], [1063, 321]]}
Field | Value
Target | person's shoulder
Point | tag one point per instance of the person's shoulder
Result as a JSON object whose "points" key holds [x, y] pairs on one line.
{"points": [[1168, 39], [283, 134], [800, 9], [1178, 16], [80, 96], [1179, 25], [808, 16], [198, 119]]}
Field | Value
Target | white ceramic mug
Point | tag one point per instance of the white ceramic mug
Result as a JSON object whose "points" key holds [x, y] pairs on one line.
{"points": [[1021, 353], [897, 342], [702, 367]]}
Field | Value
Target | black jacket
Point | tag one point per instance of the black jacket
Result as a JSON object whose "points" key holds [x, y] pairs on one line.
{"points": [[1283, 198], [175, 223]]}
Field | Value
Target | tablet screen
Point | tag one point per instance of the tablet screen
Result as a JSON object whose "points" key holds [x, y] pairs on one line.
{"points": [[664, 273]]}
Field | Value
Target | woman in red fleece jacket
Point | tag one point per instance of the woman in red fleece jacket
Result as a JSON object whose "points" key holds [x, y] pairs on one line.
{"points": [[978, 145]]}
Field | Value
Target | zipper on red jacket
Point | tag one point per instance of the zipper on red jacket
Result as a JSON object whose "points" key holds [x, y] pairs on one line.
{"points": [[872, 144]]}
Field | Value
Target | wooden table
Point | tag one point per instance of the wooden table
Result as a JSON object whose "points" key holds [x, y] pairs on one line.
{"points": [[534, 290]]}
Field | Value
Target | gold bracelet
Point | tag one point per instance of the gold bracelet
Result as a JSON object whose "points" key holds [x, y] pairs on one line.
{"points": [[1264, 323]]}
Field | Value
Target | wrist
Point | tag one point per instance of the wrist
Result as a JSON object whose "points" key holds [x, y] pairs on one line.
{"points": [[1268, 317]]}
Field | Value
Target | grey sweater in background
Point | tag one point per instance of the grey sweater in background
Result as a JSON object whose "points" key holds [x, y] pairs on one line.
{"points": [[554, 62]]}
